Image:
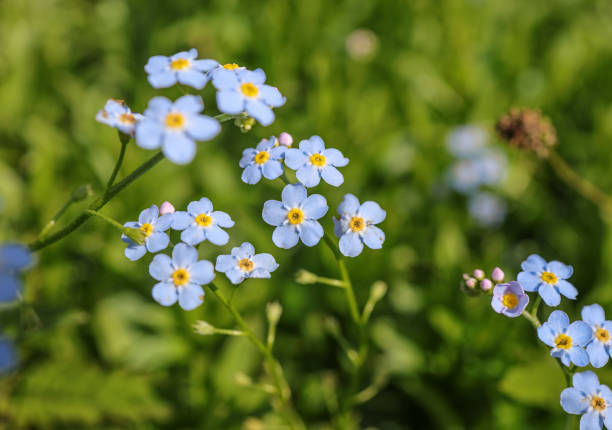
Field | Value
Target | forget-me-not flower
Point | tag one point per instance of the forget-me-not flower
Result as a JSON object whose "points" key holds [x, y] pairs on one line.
{"points": [[200, 223], [182, 67], [264, 160], [509, 299], [295, 217], [175, 127], [241, 90], [181, 277], [8, 355], [14, 258], [117, 115], [356, 225], [313, 162], [567, 340], [548, 279], [488, 209], [243, 263], [599, 349], [153, 227], [590, 399]]}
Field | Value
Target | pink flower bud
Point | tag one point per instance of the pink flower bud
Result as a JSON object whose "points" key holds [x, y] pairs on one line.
{"points": [[285, 139], [486, 284], [471, 283], [497, 275], [465, 276], [166, 208], [479, 274]]}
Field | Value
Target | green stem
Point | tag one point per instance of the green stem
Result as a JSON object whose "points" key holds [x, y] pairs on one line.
{"points": [[105, 218], [285, 179], [113, 175], [331, 282], [535, 322], [348, 286], [229, 332]]}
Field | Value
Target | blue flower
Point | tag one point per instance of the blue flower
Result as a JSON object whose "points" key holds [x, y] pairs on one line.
{"points": [[242, 90], [200, 222], [599, 349], [295, 217], [181, 277], [175, 126], [8, 355], [590, 399], [487, 208], [244, 263], [509, 299], [548, 279], [313, 162], [466, 141], [14, 258], [182, 68], [264, 160], [153, 227], [356, 225], [567, 340], [119, 116]]}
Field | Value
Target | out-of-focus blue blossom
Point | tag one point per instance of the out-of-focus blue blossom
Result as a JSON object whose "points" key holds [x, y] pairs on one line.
{"points": [[241, 90], [548, 279], [243, 263], [599, 349], [295, 217], [567, 340], [487, 209], [313, 162], [488, 168], [8, 355], [590, 399], [182, 67], [181, 277], [14, 258], [200, 223], [117, 115], [356, 225], [175, 127], [509, 299], [466, 141], [264, 160], [153, 227]]}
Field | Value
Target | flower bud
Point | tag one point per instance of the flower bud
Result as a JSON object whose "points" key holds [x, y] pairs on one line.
{"points": [[465, 276], [497, 275], [285, 139], [242, 379], [305, 277], [136, 235], [245, 123], [166, 208], [378, 291], [81, 193], [203, 328], [529, 130], [273, 312], [479, 274], [486, 284], [471, 283]]}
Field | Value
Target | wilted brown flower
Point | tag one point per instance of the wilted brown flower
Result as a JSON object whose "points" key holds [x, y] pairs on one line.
{"points": [[529, 130]]}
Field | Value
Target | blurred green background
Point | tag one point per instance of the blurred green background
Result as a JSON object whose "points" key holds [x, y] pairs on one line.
{"points": [[97, 352]]}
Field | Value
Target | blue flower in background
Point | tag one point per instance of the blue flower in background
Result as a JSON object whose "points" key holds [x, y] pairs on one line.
{"points": [[8, 355], [313, 162], [487, 209], [200, 223], [295, 217], [175, 127], [181, 277], [466, 141], [153, 227], [567, 340], [183, 68], [548, 279], [241, 90], [14, 258], [509, 299], [117, 115], [264, 160], [590, 399], [468, 175], [243, 263], [599, 348], [356, 225]]}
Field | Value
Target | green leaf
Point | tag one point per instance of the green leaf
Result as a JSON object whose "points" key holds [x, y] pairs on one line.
{"points": [[538, 383]]}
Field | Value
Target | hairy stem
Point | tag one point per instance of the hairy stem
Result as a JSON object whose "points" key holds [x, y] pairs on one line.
{"points": [[113, 175]]}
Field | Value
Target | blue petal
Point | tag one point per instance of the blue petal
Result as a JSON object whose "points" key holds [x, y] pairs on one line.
{"points": [[529, 281], [587, 382], [161, 267], [258, 110], [189, 104], [8, 355], [579, 356], [580, 332], [547, 334], [265, 261], [149, 134], [192, 78], [593, 315], [563, 355], [349, 205], [314, 145], [573, 401], [149, 215], [371, 211], [550, 296], [235, 275], [183, 255], [272, 169], [190, 296], [224, 79], [309, 175], [311, 232], [295, 158], [162, 79], [335, 157], [202, 127], [558, 321], [293, 195], [256, 77], [181, 220], [201, 272], [14, 256], [225, 263], [265, 144], [246, 250], [178, 148], [315, 206], [9, 286], [231, 102], [158, 107], [373, 237], [251, 174], [187, 55], [202, 206], [272, 96], [164, 293], [339, 227], [534, 263], [222, 219], [562, 271], [598, 356], [274, 213], [248, 157], [285, 236], [567, 289], [260, 274], [216, 235], [157, 241], [193, 235], [156, 64], [590, 421], [608, 419], [135, 252], [351, 244], [164, 222], [278, 153], [332, 176], [205, 65]]}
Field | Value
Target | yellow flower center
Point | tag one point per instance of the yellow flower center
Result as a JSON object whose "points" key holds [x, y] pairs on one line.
{"points": [[598, 403], [180, 277], [510, 300], [127, 118], [357, 224], [245, 264], [262, 157], [231, 66], [203, 220], [602, 335], [317, 160], [249, 90], [549, 278], [179, 64], [295, 216], [563, 341], [175, 120], [147, 229]]}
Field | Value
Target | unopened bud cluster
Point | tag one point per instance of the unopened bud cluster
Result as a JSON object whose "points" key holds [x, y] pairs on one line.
{"points": [[478, 282]]}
